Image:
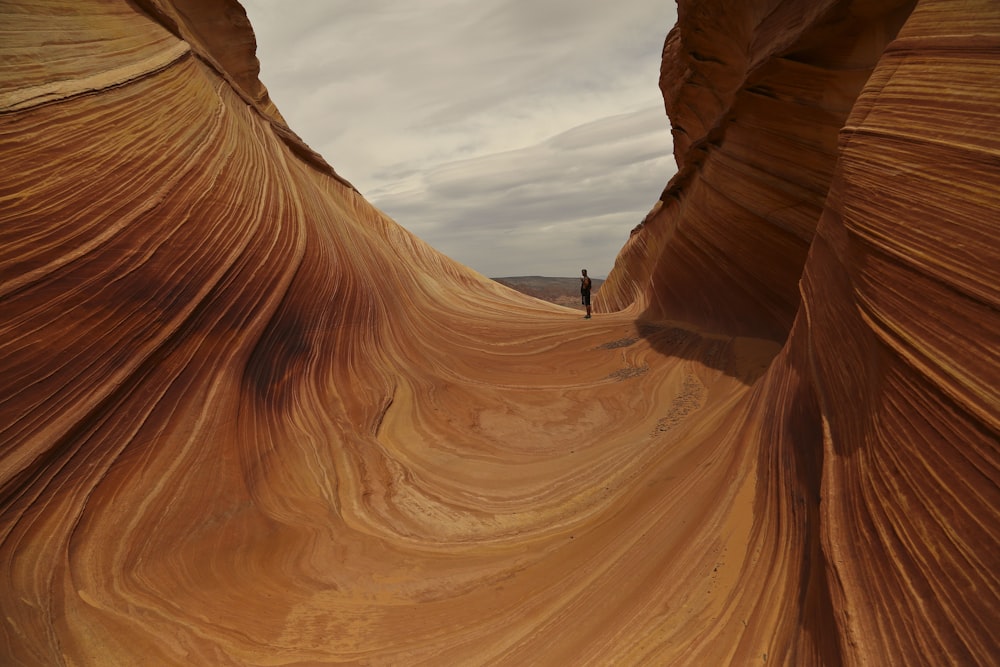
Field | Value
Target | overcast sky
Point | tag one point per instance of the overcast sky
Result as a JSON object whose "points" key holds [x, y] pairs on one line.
{"points": [[520, 137]]}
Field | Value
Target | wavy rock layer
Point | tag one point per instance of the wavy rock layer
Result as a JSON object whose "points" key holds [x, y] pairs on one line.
{"points": [[246, 419], [853, 145]]}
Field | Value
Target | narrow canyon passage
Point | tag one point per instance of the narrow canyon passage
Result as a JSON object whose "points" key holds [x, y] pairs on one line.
{"points": [[546, 489], [532, 487], [557, 478], [248, 419]]}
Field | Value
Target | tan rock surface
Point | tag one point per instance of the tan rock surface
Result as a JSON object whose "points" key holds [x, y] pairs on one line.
{"points": [[246, 419]]}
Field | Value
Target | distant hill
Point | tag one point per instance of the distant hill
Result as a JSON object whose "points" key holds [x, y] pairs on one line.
{"points": [[562, 291]]}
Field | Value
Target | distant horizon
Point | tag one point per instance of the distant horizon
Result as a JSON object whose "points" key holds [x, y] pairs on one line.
{"points": [[538, 275]]}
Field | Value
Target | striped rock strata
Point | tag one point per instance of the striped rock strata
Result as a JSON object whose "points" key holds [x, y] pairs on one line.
{"points": [[246, 419]]}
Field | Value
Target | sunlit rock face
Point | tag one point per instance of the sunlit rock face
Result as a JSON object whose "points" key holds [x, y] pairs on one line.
{"points": [[757, 99], [838, 188], [246, 419]]}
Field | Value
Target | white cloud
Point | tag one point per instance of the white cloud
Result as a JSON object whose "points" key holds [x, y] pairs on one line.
{"points": [[517, 136]]}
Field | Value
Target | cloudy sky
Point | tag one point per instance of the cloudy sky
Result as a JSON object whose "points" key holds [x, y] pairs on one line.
{"points": [[520, 137]]}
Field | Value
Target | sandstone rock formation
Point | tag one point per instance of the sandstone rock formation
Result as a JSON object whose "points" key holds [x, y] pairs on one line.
{"points": [[246, 419]]}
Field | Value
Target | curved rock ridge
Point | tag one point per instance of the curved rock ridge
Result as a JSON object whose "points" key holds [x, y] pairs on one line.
{"points": [[838, 190], [757, 100], [247, 419]]}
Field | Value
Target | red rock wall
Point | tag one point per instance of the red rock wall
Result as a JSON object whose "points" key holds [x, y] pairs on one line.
{"points": [[247, 419], [843, 171], [901, 294], [757, 98]]}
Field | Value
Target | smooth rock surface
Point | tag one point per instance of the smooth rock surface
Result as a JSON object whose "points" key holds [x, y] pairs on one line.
{"points": [[246, 419]]}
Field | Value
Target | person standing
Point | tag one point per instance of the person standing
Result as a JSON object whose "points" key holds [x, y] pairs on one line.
{"points": [[585, 292]]}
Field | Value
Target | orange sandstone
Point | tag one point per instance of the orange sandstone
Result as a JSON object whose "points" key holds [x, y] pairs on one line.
{"points": [[227, 437]]}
